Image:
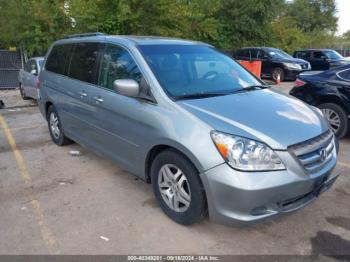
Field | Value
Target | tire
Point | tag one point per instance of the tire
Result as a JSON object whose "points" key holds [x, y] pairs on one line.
{"points": [[55, 128], [336, 114], [22, 92], [189, 182], [277, 71]]}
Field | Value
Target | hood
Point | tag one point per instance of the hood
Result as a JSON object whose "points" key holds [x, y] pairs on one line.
{"points": [[291, 60], [264, 115]]}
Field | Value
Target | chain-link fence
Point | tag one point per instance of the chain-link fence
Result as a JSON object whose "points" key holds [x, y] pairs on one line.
{"points": [[10, 64]]}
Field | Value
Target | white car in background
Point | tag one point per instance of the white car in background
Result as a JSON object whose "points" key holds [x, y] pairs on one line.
{"points": [[28, 78]]}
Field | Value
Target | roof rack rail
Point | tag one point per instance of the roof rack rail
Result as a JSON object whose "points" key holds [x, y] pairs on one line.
{"points": [[84, 35]]}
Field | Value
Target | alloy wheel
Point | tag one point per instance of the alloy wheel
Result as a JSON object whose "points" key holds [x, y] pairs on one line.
{"points": [[333, 119], [54, 125], [174, 188]]}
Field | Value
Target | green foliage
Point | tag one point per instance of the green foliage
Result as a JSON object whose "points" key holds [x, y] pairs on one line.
{"points": [[228, 24], [33, 24], [244, 23]]}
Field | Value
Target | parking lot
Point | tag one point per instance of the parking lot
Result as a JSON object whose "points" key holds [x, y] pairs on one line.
{"points": [[52, 202]]}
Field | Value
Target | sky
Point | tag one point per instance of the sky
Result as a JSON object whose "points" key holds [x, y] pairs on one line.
{"points": [[344, 16]]}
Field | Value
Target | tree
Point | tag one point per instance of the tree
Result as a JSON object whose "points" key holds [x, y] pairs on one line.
{"points": [[313, 15], [246, 22], [32, 24]]}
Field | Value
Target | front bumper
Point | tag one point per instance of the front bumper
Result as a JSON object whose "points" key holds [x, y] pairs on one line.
{"points": [[236, 197], [291, 74]]}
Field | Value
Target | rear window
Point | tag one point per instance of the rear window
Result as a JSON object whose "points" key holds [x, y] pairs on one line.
{"points": [[242, 53], [83, 62], [58, 59]]}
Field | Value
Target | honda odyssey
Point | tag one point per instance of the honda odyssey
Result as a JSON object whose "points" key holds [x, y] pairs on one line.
{"points": [[208, 135]]}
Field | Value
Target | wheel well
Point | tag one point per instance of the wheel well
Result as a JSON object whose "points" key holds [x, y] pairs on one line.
{"points": [[333, 100], [47, 105], [153, 153]]}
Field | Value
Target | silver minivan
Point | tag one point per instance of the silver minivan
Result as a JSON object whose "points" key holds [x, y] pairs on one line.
{"points": [[208, 135], [28, 78]]}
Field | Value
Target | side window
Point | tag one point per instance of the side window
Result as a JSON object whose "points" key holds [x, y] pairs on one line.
{"points": [[58, 59], [345, 75], [33, 66], [246, 53], [303, 54], [254, 54], [318, 55], [117, 63], [83, 62], [262, 54], [27, 66]]}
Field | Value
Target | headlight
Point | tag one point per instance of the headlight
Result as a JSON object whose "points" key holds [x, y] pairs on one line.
{"points": [[246, 154], [292, 66]]}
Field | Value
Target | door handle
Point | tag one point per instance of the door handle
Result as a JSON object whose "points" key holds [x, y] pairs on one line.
{"points": [[98, 100], [82, 94]]}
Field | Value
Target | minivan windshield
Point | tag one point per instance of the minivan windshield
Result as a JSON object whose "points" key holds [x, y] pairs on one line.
{"points": [[331, 54], [276, 53], [195, 71]]}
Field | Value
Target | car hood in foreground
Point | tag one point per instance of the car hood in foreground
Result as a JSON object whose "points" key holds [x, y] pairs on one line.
{"points": [[265, 115]]}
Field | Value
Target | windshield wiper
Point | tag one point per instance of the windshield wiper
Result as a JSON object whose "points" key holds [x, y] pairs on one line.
{"points": [[198, 95], [250, 88], [256, 87]]}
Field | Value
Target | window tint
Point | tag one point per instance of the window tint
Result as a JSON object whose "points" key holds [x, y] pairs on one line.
{"points": [[117, 63], [27, 66], [30, 65], [318, 54], [303, 54], [262, 54], [243, 53], [83, 62], [345, 75], [254, 53], [58, 59]]}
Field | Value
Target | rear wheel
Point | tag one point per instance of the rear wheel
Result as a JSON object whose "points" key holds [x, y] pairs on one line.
{"points": [[178, 188], [55, 128], [22, 92], [336, 117], [278, 72]]}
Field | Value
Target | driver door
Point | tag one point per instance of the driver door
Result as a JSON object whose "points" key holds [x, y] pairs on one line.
{"points": [[123, 125]]}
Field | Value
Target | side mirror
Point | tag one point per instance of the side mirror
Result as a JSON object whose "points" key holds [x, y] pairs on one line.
{"points": [[127, 87], [324, 57], [34, 72]]}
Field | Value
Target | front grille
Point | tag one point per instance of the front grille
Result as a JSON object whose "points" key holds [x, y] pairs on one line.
{"points": [[315, 153]]}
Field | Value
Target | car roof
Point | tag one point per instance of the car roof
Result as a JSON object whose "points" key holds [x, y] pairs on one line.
{"points": [[260, 47], [314, 49], [129, 39]]}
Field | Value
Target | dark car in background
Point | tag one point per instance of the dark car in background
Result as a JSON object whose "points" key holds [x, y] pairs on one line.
{"points": [[321, 59], [329, 91], [274, 62]]}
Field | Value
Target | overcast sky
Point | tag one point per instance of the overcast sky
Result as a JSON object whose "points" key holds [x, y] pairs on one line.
{"points": [[344, 15]]}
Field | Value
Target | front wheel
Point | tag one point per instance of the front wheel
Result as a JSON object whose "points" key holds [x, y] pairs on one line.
{"points": [[178, 188], [336, 117], [278, 72]]}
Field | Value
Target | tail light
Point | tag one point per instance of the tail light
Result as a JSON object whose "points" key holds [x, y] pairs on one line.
{"points": [[299, 83], [38, 84]]}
